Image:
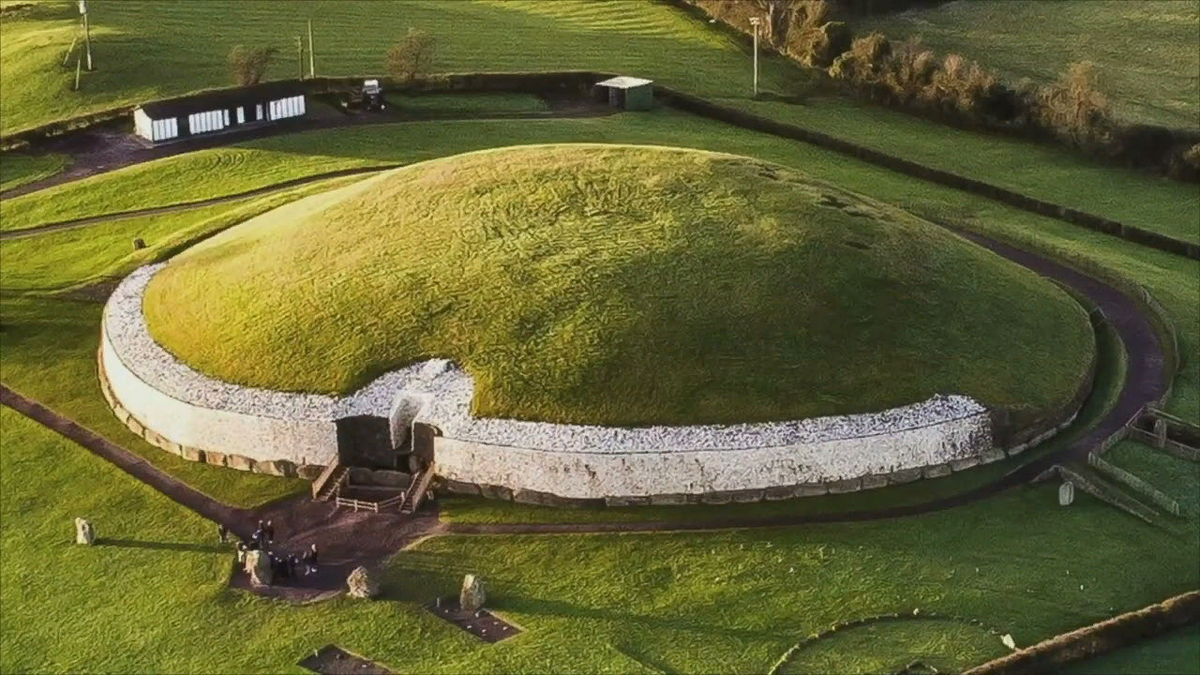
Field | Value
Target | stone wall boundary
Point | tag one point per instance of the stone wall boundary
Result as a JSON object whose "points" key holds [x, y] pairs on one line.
{"points": [[1099, 638]]}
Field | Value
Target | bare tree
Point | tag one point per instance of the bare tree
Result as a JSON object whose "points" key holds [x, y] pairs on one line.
{"points": [[249, 64], [412, 56]]}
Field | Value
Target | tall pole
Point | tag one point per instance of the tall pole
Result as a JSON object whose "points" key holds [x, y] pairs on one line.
{"points": [[312, 67], [755, 21], [87, 39]]}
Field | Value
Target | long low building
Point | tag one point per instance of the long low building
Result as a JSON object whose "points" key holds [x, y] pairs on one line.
{"points": [[214, 111]]}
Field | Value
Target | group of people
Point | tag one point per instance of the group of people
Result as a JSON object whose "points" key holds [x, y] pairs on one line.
{"points": [[282, 566]]}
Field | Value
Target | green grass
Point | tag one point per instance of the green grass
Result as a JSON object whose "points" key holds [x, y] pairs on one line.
{"points": [[163, 182], [1175, 653], [1046, 172], [469, 103], [730, 601], [1110, 378], [1172, 279], [532, 267], [135, 40], [891, 646], [1145, 51], [49, 339], [18, 169]]}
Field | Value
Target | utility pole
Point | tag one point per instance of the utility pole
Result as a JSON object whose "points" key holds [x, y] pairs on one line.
{"points": [[312, 67], [300, 56], [87, 33], [754, 21]]}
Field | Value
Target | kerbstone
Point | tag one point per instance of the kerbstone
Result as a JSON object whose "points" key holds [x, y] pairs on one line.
{"points": [[904, 476], [936, 471], [240, 462], [309, 471], [216, 458], [810, 490], [496, 492], [874, 481], [843, 486], [677, 499], [964, 463]]}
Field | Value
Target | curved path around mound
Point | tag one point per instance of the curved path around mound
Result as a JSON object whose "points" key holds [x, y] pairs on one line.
{"points": [[347, 539]]}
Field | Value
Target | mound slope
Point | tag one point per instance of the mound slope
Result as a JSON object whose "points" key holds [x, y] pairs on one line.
{"points": [[620, 285]]}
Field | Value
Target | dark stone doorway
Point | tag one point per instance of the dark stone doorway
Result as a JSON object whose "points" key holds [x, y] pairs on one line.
{"points": [[366, 440]]}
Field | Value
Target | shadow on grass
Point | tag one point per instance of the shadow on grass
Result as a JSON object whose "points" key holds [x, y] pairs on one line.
{"points": [[163, 545], [544, 607]]}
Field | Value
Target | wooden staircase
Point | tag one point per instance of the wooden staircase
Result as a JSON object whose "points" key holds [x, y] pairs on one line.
{"points": [[416, 493], [326, 485]]}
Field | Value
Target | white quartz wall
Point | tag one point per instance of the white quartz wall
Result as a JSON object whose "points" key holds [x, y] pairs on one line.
{"points": [[231, 433], [573, 461], [589, 475]]}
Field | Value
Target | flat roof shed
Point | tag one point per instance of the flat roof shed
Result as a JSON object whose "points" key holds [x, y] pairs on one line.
{"points": [[212, 111], [630, 93]]}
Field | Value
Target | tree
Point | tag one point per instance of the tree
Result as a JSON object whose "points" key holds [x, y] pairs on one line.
{"points": [[249, 64], [412, 56]]}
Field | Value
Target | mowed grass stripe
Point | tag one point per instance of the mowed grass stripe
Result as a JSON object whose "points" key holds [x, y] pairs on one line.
{"points": [[621, 285], [133, 38]]}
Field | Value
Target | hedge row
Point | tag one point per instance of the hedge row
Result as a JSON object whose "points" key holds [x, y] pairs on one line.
{"points": [[747, 120], [1100, 638]]}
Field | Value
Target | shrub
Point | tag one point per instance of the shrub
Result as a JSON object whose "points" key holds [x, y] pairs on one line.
{"points": [[249, 64], [411, 57], [1074, 108]]}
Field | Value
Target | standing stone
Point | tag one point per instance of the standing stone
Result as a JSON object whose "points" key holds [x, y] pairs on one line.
{"points": [[139, 244], [471, 598], [1066, 494], [258, 566], [84, 532], [362, 583]]}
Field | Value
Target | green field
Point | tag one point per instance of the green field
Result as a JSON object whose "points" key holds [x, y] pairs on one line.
{"points": [[689, 603], [1046, 172], [18, 169], [667, 602], [134, 39], [1146, 51], [533, 269]]}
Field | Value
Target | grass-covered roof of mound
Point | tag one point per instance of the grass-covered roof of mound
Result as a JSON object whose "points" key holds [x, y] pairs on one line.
{"points": [[620, 285]]}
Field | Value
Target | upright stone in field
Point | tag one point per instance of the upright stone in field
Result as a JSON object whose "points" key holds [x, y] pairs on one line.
{"points": [[471, 597], [1066, 494], [84, 532], [362, 583], [258, 566]]}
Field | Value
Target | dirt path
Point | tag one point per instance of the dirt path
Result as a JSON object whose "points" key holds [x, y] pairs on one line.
{"points": [[347, 539]]}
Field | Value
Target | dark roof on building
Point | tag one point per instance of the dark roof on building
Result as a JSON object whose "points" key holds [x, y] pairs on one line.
{"points": [[219, 99]]}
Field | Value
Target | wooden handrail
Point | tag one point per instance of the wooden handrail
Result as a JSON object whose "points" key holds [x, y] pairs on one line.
{"points": [[324, 477]]}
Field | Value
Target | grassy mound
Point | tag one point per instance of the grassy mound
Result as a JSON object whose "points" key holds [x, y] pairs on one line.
{"points": [[620, 285]]}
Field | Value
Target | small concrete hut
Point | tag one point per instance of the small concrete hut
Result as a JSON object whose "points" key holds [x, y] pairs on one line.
{"points": [[630, 93]]}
